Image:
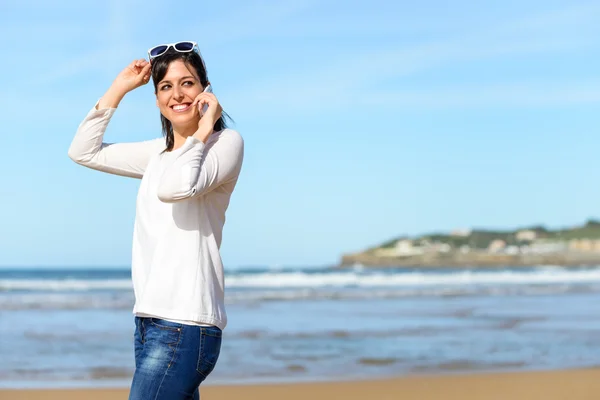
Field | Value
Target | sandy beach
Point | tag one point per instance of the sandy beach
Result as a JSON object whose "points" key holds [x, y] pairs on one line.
{"points": [[581, 384]]}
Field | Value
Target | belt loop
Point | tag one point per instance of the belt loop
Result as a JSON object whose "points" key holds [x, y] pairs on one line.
{"points": [[142, 329]]}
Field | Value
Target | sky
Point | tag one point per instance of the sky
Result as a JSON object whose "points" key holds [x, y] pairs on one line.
{"points": [[362, 121]]}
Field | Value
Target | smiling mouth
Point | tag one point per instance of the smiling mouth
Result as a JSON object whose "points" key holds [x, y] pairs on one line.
{"points": [[181, 107]]}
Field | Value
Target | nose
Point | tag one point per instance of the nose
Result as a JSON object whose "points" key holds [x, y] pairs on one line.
{"points": [[177, 94]]}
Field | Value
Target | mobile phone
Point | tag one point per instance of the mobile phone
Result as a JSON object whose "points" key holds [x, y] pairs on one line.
{"points": [[207, 89]]}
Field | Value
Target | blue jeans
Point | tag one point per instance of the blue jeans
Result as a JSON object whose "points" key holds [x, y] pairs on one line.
{"points": [[172, 359]]}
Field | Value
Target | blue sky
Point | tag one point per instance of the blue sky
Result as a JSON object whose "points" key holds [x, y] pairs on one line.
{"points": [[362, 121]]}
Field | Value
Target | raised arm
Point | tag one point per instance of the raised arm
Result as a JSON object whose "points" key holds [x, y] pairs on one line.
{"points": [[199, 168], [88, 147], [125, 159]]}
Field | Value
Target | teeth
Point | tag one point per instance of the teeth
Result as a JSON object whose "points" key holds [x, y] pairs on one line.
{"points": [[180, 107]]}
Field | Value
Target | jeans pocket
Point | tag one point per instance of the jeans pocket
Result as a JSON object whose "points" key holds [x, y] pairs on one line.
{"points": [[161, 332], [164, 324], [210, 348]]}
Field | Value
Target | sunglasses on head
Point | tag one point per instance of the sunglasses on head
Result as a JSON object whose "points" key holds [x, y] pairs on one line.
{"points": [[182, 47]]}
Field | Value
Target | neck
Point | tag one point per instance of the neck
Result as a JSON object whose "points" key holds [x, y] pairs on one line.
{"points": [[181, 133]]}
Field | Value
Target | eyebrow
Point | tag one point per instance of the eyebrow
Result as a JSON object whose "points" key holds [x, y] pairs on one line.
{"points": [[182, 78]]}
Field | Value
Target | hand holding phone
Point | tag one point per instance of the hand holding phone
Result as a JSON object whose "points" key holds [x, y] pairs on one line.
{"points": [[207, 89]]}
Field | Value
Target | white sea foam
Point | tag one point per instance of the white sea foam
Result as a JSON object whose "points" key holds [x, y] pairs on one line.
{"points": [[420, 278], [65, 301], [124, 299], [337, 279], [64, 284]]}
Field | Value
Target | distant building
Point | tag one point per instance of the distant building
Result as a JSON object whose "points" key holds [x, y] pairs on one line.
{"points": [[526, 235], [547, 247], [406, 247], [496, 246], [443, 247], [585, 245], [461, 232]]}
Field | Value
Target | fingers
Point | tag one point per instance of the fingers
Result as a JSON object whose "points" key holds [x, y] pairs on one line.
{"points": [[146, 72], [201, 104], [141, 63], [207, 96], [142, 69], [135, 64], [138, 65], [196, 100]]}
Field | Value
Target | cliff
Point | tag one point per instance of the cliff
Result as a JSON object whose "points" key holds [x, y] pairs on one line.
{"points": [[575, 246]]}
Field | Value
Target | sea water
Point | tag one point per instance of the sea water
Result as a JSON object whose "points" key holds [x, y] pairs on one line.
{"points": [[74, 327]]}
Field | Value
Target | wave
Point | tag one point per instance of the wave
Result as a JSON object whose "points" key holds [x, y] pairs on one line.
{"points": [[335, 279], [68, 301], [64, 284], [421, 278], [125, 300]]}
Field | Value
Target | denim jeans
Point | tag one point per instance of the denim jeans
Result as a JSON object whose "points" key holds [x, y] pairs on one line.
{"points": [[172, 359]]}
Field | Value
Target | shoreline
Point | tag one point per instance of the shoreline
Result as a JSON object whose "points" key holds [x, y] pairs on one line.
{"points": [[469, 261], [572, 384]]}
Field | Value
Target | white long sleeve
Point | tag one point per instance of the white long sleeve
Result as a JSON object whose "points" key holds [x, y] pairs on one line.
{"points": [[125, 159]]}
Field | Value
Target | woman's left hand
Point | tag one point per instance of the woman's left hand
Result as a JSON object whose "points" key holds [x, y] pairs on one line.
{"points": [[212, 114]]}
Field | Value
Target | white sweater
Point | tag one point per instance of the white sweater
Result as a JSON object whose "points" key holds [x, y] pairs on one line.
{"points": [[177, 271]]}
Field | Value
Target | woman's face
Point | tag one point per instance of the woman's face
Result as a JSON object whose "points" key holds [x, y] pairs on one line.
{"points": [[176, 92]]}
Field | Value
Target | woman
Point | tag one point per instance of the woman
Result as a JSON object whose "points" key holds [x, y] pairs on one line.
{"points": [[187, 179]]}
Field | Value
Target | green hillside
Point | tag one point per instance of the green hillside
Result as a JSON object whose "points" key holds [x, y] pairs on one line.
{"points": [[480, 238]]}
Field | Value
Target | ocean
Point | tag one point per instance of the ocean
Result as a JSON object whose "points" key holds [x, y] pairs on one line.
{"points": [[74, 327]]}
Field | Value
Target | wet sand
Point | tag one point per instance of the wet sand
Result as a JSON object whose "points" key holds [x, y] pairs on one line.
{"points": [[547, 385]]}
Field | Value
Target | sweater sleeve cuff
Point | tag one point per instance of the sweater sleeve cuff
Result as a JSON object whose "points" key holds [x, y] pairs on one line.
{"points": [[95, 112]]}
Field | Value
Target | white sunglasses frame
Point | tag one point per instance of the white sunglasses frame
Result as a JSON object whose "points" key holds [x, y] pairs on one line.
{"points": [[169, 45]]}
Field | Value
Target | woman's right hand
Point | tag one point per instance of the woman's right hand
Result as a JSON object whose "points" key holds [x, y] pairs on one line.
{"points": [[133, 76]]}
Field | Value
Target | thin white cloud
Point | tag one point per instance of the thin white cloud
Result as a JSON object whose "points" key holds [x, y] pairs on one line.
{"points": [[333, 83], [330, 87]]}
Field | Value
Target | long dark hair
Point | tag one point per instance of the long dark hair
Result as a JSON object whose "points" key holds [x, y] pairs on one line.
{"points": [[159, 70]]}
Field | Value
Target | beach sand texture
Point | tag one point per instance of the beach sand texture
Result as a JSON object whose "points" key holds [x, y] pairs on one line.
{"points": [[580, 384]]}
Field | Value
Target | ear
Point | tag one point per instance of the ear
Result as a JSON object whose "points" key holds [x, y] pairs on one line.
{"points": [[157, 103]]}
